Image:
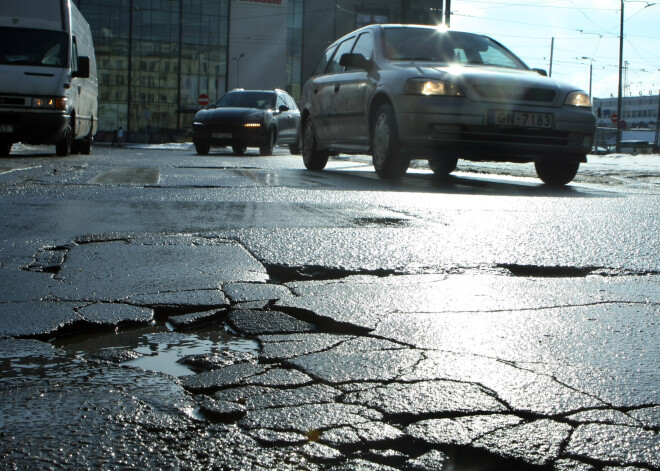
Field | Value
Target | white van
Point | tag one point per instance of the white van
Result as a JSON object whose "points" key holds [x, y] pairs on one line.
{"points": [[48, 80]]}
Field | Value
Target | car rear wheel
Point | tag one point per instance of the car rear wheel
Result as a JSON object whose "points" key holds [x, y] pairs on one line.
{"points": [[295, 148], [443, 166], [556, 172], [388, 160], [202, 147], [239, 150], [313, 158], [267, 148]]}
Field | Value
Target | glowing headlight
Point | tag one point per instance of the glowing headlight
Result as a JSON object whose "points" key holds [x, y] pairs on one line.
{"points": [[433, 88], [578, 99], [252, 125], [52, 103]]}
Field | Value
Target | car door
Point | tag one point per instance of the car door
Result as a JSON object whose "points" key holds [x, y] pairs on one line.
{"points": [[315, 97], [329, 94], [352, 89], [285, 120]]}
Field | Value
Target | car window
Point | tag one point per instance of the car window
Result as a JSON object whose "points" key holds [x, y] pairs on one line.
{"points": [[263, 100], [343, 48], [281, 102], [291, 103], [425, 44], [365, 46], [323, 61]]}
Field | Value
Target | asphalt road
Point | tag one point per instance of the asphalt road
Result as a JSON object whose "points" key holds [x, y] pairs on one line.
{"points": [[162, 309]]}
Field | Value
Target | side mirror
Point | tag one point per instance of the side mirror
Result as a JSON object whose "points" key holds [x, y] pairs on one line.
{"points": [[83, 68], [541, 72], [283, 108], [355, 61]]}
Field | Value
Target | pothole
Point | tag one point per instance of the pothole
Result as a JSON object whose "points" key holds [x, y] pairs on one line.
{"points": [[548, 271], [156, 347], [281, 274]]}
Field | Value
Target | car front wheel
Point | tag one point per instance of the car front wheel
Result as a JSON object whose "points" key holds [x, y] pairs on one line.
{"points": [[556, 172], [202, 147], [267, 148], [239, 150], [388, 160], [313, 158]]}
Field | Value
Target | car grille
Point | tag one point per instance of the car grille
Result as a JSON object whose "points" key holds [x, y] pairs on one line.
{"points": [[519, 94], [11, 101]]}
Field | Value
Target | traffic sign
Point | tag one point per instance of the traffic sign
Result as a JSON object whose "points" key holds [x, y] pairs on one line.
{"points": [[615, 118], [623, 124], [203, 99]]}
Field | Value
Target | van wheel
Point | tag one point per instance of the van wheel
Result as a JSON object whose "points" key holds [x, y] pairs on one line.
{"points": [[313, 158], [5, 149], [443, 166], [86, 145], [388, 160], [296, 148], [63, 147], [556, 172]]}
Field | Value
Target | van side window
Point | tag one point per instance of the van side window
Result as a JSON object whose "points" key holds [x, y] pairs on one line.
{"points": [[343, 48], [323, 62], [74, 56]]}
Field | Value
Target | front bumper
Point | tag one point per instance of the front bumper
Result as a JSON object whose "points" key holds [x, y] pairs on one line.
{"points": [[230, 135], [33, 127], [433, 126]]}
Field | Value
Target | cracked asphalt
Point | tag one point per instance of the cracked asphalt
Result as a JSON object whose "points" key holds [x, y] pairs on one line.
{"points": [[161, 309]]}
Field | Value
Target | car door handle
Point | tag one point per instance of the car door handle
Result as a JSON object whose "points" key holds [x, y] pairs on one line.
{"points": [[336, 88]]}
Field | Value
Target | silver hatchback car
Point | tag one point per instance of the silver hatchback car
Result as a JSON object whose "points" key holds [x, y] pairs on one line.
{"points": [[403, 92]]}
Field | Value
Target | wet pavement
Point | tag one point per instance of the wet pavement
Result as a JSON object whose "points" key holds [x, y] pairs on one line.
{"points": [[241, 313]]}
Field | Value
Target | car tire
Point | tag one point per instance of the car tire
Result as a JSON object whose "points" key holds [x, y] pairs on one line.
{"points": [[443, 166], [63, 147], [313, 158], [556, 172], [5, 149], [239, 150], [202, 147], [267, 148], [296, 148], [388, 160]]}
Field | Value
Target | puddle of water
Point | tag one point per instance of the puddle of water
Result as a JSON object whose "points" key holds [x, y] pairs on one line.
{"points": [[159, 346]]}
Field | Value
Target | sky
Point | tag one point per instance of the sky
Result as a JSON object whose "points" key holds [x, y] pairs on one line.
{"points": [[585, 32]]}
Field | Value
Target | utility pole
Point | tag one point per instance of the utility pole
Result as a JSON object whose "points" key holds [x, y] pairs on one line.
{"points": [[657, 123], [447, 13], [619, 101], [552, 52]]}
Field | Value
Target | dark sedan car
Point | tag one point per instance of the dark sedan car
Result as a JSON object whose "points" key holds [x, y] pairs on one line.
{"points": [[403, 92], [249, 118]]}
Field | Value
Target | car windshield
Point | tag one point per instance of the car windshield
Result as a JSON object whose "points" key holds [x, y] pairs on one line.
{"points": [[263, 100], [427, 44], [22, 46]]}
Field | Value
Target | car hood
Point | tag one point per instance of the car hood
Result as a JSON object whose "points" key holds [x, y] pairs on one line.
{"points": [[494, 84], [231, 114]]}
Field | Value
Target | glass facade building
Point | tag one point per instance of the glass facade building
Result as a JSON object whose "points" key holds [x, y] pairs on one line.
{"points": [[158, 60]]}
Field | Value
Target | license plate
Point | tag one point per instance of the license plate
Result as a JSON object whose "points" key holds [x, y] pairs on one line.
{"points": [[221, 135], [6, 128], [522, 119]]}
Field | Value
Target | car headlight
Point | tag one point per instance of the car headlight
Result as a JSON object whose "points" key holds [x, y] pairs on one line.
{"points": [[432, 88], [580, 99], [252, 125]]}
